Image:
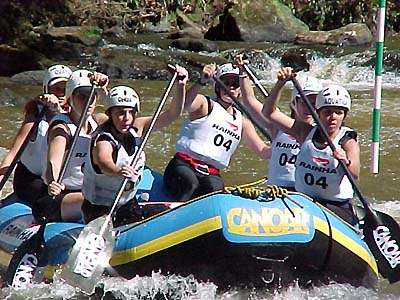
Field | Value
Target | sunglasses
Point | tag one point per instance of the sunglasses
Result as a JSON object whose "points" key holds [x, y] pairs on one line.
{"points": [[231, 82]]}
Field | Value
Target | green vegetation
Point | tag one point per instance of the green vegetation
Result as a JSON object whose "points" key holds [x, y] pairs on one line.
{"points": [[19, 17], [331, 14]]}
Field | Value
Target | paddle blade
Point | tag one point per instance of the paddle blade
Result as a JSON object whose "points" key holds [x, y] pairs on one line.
{"points": [[89, 256], [382, 235]]}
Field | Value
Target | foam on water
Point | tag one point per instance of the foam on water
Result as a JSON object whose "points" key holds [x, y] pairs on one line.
{"points": [[160, 287]]}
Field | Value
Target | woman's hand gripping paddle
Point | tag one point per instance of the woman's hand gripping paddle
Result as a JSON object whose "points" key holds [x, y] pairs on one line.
{"points": [[27, 258], [94, 246], [381, 231]]}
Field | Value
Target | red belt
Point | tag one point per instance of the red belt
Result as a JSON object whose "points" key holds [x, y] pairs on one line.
{"points": [[198, 165]]}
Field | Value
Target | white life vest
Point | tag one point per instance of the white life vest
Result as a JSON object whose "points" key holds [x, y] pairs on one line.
{"points": [[213, 138], [73, 177], [317, 171], [101, 189], [281, 167], [36, 148]]}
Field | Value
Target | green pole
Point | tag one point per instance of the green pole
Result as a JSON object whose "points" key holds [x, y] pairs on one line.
{"points": [[380, 37]]}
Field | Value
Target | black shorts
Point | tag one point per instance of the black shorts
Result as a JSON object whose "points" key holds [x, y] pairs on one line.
{"points": [[27, 186]]}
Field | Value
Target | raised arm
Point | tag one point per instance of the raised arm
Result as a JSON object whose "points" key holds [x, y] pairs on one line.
{"points": [[196, 103], [249, 99], [174, 109], [252, 140], [279, 119]]}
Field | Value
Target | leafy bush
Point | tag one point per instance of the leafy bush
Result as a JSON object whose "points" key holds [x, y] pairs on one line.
{"points": [[332, 14]]}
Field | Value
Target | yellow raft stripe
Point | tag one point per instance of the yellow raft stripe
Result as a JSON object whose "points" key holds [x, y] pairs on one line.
{"points": [[346, 242], [166, 241]]}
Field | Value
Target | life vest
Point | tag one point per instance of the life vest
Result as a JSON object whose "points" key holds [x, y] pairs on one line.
{"points": [[318, 173], [211, 139], [73, 177], [281, 166], [101, 189], [36, 147]]}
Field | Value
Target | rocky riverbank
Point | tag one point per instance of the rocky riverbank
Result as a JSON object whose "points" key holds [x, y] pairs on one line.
{"points": [[97, 34]]}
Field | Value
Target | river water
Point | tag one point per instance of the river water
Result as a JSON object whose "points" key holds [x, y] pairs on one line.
{"points": [[350, 70]]}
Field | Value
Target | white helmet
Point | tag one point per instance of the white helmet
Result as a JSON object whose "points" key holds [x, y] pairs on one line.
{"points": [[333, 95], [55, 74], [310, 86], [78, 78], [227, 69], [122, 96]]}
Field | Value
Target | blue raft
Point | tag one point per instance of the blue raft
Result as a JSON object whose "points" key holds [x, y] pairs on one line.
{"points": [[224, 237]]}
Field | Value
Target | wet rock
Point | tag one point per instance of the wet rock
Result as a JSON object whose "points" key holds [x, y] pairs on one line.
{"points": [[7, 97], [258, 21], [29, 77], [296, 59], [87, 35], [196, 45], [15, 60], [350, 35]]}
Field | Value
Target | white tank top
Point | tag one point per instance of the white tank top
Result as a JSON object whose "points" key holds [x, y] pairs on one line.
{"points": [[317, 171], [36, 148], [213, 138], [101, 189], [281, 167], [73, 177]]}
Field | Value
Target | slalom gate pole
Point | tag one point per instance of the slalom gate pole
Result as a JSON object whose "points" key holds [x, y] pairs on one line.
{"points": [[380, 37]]}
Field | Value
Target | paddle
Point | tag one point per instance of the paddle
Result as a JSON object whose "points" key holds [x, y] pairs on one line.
{"points": [[381, 231], [240, 106], [23, 146], [94, 245], [24, 265], [255, 81]]}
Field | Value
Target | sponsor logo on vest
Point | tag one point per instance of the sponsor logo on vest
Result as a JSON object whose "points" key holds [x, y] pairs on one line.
{"points": [[25, 271], [267, 221], [226, 131], [88, 256], [234, 126], [318, 169], [387, 246], [80, 154], [287, 145], [320, 161]]}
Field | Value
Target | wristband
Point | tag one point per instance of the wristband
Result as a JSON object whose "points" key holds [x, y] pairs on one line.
{"points": [[243, 76]]}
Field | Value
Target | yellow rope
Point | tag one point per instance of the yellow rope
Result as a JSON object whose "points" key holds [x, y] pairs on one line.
{"points": [[271, 191]]}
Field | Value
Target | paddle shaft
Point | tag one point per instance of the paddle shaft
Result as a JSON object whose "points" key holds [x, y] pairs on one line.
{"points": [[256, 81], [22, 148], [140, 149], [82, 120], [333, 148], [240, 106]]}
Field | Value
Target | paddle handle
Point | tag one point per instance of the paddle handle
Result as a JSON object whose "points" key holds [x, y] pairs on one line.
{"points": [[255, 81], [72, 145], [333, 148], [23, 146], [241, 107], [143, 143]]}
